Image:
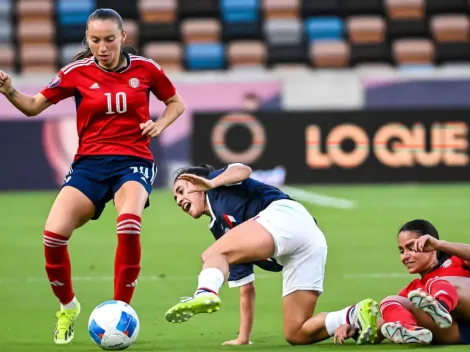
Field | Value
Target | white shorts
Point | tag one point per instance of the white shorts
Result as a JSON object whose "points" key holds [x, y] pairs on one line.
{"points": [[300, 246]]}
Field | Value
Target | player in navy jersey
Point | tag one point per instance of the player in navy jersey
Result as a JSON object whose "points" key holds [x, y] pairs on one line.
{"points": [[113, 161], [257, 224], [434, 308]]}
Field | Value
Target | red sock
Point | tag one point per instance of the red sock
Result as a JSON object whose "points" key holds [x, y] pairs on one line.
{"points": [[127, 260], [58, 266], [444, 292], [393, 311]]}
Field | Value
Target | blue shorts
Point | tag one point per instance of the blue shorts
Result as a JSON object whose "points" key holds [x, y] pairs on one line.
{"points": [[464, 327], [100, 177]]}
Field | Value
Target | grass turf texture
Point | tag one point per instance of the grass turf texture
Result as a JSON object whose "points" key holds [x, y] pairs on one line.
{"points": [[363, 261]]}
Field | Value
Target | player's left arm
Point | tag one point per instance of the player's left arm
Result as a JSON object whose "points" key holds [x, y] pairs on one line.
{"points": [[165, 91], [174, 109]]}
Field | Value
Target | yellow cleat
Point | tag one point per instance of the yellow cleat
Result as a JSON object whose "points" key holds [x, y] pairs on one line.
{"points": [[188, 307], [365, 319], [63, 332]]}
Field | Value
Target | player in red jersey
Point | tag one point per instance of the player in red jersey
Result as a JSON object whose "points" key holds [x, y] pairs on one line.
{"points": [[111, 90], [436, 307]]}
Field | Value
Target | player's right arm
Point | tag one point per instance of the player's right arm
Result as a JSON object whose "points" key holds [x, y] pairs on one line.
{"points": [[232, 175], [428, 243], [27, 104], [461, 250], [247, 312]]}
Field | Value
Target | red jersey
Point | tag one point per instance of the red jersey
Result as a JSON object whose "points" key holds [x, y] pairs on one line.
{"points": [[454, 266], [111, 104]]}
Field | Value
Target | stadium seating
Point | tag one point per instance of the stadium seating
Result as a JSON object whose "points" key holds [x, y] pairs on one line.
{"points": [[204, 56], [235, 34], [246, 54], [168, 54], [163, 11]]}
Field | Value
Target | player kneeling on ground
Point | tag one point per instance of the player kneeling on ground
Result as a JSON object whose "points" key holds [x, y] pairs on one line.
{"points": [[435, 308], [252, 221]]}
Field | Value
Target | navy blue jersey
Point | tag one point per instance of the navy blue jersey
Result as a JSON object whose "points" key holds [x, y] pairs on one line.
{"points": [[230, 205]]}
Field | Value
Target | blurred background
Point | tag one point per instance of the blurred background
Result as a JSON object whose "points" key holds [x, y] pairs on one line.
{"points": [[358, 108]]}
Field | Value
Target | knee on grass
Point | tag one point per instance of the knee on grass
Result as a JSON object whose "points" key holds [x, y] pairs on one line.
{"points": [[297, 337]]}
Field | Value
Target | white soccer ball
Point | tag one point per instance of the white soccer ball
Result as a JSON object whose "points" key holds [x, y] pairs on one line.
{"points": [[113, 325]]}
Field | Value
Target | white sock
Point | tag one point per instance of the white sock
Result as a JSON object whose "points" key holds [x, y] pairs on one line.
{"points": [[70, 305], [210, 281], [334, 320]]}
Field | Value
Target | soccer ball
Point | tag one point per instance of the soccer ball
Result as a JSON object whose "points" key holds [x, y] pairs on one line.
{"points": [[113, 325]]}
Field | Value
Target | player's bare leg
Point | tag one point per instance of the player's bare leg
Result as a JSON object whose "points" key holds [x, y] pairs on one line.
{"points": [[70, 210], [301, 328], [245, 243]]}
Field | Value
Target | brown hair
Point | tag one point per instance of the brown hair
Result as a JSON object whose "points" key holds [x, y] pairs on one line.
{"points": [[421, 228], [102, 14]]}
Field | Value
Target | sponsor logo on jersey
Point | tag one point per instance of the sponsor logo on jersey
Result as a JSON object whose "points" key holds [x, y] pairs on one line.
{"points": [[134, 83], [95, 86]]}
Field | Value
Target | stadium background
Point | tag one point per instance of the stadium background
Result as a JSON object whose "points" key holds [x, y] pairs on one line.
{"points": [[267, 82]]}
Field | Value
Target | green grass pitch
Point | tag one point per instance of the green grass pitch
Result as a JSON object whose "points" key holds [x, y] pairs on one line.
{"points": [[362, 262]]}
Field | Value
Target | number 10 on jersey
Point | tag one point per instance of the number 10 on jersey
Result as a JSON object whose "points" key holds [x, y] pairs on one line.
{"points": [[120, 103]]}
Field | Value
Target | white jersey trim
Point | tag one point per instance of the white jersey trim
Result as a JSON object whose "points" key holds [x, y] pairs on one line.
{"points": [[76, 63], [79, 63], [210, 210], [141, 58], [76, 66]]}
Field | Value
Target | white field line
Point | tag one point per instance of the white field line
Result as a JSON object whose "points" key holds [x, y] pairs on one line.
{"points": [[376, 276], [319, 199]]}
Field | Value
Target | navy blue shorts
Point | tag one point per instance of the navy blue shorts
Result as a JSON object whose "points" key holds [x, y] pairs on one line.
{"points": [[464, 327], [100, 177]]}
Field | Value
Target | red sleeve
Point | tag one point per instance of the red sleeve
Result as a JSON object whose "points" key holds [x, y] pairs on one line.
{"points": [[161, 85], [59, 88]]}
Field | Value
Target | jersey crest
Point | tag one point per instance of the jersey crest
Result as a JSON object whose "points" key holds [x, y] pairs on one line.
{"points": [[447, 263], [134, 83]]}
